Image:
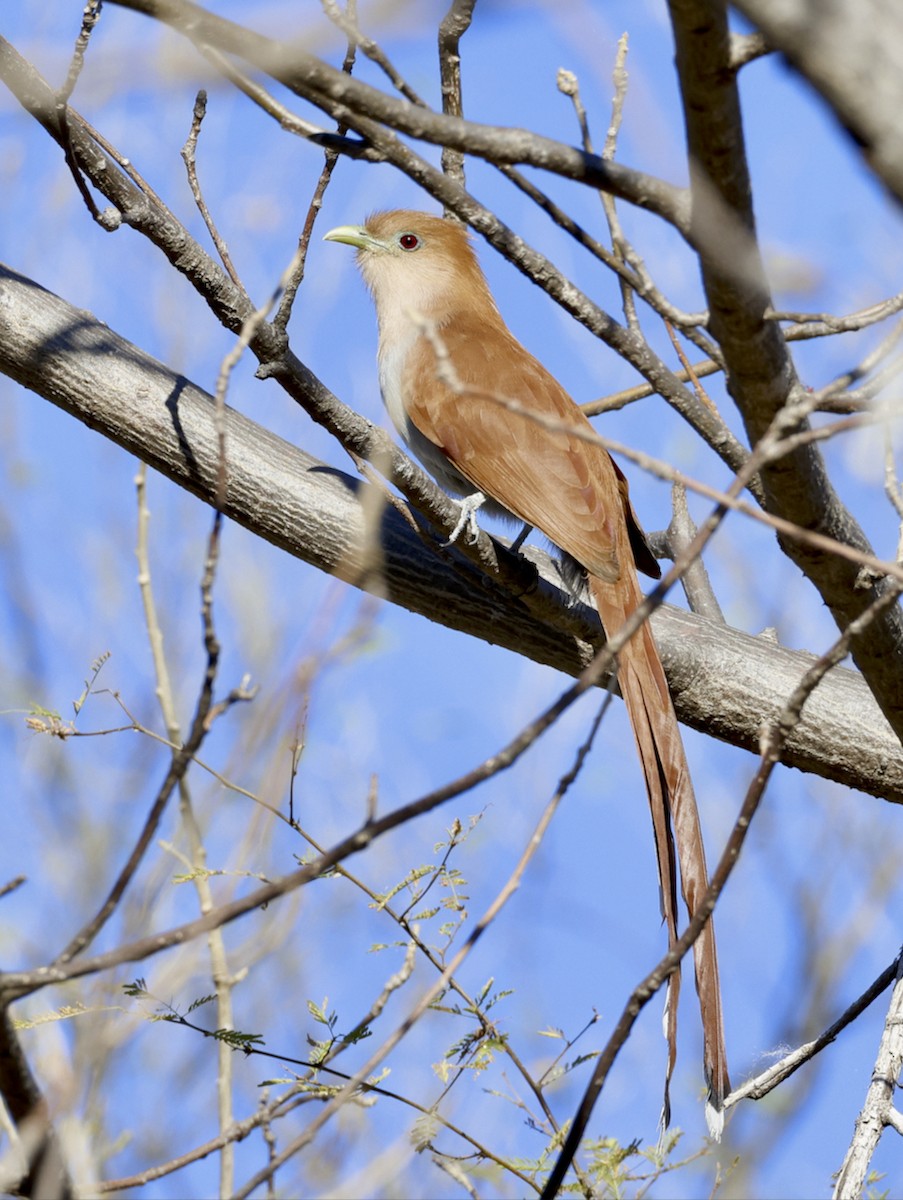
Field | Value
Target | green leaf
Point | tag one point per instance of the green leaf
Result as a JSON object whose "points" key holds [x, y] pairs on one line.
{"points": [[201, 1000]]}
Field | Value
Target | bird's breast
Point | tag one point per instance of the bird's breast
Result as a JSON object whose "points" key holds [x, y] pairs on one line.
{"points": [[393, 356]]}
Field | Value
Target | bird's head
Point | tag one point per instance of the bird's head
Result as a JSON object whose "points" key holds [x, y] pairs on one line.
{"points": [[415, 262]]}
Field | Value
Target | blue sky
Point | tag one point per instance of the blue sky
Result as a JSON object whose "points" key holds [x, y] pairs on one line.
{"points": [[413, 703]]}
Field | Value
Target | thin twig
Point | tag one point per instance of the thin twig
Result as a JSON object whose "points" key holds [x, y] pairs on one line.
{"points": [[569, 85], [90, 17], [12, 885], [760, 1086], [892, 488], [189, 157], [293, 277], [627, 396], [687, 368], [439, 985], [696, 583], [878, 1112], [177, 768], [609, 205], [813, 325], [219, 964], [288, 120], [347, 22], [452, 28]]}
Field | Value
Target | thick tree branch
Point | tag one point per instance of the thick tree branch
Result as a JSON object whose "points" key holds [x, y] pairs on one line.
{"points": [[853, 55], [44, 1171], [725, 683], [327, 87], [149, 216], [879, 1111], [760, 372]]}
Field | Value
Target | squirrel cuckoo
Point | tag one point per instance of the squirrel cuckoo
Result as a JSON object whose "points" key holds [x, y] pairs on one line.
{"points": [[431, 296]]}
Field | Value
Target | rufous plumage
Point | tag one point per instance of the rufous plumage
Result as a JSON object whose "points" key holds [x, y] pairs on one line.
{"points": [[446, 358]]}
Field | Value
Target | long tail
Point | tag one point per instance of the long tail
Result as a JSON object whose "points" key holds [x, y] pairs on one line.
{"points": [[673, 805]]}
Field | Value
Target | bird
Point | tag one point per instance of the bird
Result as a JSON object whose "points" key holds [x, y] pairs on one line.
{"points": [[493, 426]]}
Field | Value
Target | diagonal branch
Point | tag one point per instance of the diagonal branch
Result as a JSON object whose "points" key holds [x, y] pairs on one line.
{"points": [[878, 1111], [149, 216], [853, 55], [724, 682], [44, 1171], [328, 88], [760, 372]]}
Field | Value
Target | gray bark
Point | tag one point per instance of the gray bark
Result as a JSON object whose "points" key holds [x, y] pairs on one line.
{"points": [[725, 683], [852, 54]]}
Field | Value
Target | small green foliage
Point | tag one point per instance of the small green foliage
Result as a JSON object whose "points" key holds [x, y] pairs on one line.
{"points": [[137, 990], [194, 873], [388, 946], [424, 1131], [412, 877], [238, 1040], [561, 1069], [621, 1170], [425, 914], [200, 1002], [46, 720], [451, 878], [318, 1050], [50, 714], [869, 1192], [318, 1012], [356, 1035], [96, 668]]}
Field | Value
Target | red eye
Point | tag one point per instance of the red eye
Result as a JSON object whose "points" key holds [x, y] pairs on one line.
{"points": [[409, 241]]}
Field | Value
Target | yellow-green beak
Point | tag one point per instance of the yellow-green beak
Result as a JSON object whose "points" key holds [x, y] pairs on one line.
{"points": [[351, 235]]}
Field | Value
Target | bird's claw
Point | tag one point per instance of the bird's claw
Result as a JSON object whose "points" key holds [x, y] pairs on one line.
{"points": [[467, 519]]}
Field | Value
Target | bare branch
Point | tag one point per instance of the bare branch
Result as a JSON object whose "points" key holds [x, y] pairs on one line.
{"points": [[178, 766], [293, 278], [844, 45], [161, 227], [878, 1111], [347, 99], [189, 156], [761, 375], [454, 25], [679, 534], [724, 682], [44, 1171], [761, 1085]]}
